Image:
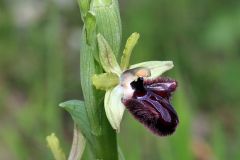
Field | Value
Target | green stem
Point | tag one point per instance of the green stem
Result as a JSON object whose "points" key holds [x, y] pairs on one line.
{"points": [[99, 16]]}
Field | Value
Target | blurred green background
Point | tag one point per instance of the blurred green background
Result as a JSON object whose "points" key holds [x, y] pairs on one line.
{"points": [[39, 67]]}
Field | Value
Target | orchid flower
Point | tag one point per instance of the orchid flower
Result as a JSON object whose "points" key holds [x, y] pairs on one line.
{"points": [[136, 87]]}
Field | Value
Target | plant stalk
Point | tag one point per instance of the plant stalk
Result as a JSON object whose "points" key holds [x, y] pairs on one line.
{"points": [[99, 16]]}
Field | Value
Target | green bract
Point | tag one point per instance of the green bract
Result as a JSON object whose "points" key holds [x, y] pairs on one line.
{"points": [[117, 80]]}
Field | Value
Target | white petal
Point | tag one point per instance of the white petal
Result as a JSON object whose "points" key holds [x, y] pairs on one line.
{"points": [[157, 67], [113, 106]]}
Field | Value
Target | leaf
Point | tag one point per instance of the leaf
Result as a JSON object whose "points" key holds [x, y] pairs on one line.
{"points": [[157, 68], [99, 80], [130, 44], [106, 56], [88, 69], [77, 110]]}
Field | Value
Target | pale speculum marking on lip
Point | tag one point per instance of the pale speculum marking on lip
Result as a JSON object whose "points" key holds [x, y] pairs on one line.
{"points": [[150, 104]]}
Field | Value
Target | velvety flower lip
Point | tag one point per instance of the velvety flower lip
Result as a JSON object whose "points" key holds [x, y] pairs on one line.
{"points": [[150, 104]]}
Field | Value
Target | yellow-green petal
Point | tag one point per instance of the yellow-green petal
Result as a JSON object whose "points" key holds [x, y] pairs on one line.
{"points": [[130, 44], [105, 81]]}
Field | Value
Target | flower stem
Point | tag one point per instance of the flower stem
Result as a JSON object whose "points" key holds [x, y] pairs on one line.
{"points": [[99, 16]]}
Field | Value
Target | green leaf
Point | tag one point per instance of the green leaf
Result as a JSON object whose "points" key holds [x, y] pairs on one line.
{"points": [[99, 80], [91, 95], [90, 26], [77, 110], [130, 44], [106, 56], [100, 145]]}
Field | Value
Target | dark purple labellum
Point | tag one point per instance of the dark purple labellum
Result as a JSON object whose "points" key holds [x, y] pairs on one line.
{"points": [[150, 104]]}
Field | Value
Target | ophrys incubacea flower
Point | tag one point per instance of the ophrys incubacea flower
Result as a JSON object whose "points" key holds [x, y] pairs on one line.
{"points": [[139, 88]]}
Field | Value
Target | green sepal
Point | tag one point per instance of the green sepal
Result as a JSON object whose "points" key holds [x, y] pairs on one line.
{"points": [[106, 56], [105, 81], [130, 44]]}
